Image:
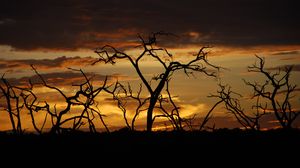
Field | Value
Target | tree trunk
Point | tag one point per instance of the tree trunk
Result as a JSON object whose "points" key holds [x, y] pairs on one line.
{"points": [[10, 112], [154, 97], [150, 114]]}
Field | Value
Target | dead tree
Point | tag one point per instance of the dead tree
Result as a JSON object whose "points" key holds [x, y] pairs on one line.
{"points": [[272, 96], [276, 85], [208, 116], [124, 94], [233, 106], [199, 63], [14, 104], [171, 114], [83, 97], [33, 106]]}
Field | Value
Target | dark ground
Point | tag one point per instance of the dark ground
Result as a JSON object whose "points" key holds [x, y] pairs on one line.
{"points": [[172, 148]]}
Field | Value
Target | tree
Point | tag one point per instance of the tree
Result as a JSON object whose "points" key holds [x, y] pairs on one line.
{"points": [[199, 63], [276, 91], [275, 86], [84, 97], [233, 106], [122, 95], [173, 114], [14, 103]]}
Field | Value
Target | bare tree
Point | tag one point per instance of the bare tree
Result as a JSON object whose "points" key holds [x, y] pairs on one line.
{"points": [[199, 63], [171, 114], [275, 86], [124, 94], [276, 92], [233, 105], [209, 115], [14, 104], [84, 97], [31, 104]]}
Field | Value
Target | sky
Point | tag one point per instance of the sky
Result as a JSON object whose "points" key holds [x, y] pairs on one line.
{"points": [[56, 35]]}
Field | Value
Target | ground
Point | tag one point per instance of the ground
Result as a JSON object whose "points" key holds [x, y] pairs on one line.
{"points": [[170, 147]]}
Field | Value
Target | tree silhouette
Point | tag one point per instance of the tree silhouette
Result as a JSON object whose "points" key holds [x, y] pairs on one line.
{"points": [[14, 103], [173, 114], [83, 97], [208, 115], [276, 90], [122, 95], [233, 105], [199, 63], [275, 86]]}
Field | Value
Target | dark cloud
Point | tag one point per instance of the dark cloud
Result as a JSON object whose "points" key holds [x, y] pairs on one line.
{"points": [[60, 62], [296, 67], [285, 91], [290, 58], [67, 78], [72, 24], [287, 53]]}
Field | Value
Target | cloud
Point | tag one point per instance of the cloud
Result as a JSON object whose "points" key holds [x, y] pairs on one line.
{"points": [[286, 53], [296, 67], [290, 58], [285, 91], [67, 78], [7, 21], [70, 25], [60, 62]]}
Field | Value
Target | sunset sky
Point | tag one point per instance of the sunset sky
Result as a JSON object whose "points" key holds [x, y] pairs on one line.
{"points": [[57, 35]]}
